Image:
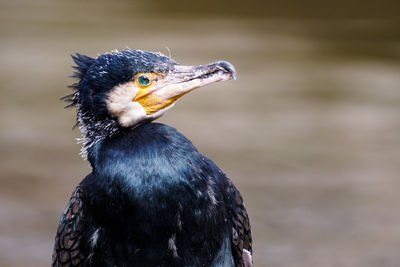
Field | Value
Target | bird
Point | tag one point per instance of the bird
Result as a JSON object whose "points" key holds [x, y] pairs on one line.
{"points": [[151, 199]]}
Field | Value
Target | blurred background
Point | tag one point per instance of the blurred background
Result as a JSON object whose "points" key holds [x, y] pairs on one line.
{"points": [[309, 132]]}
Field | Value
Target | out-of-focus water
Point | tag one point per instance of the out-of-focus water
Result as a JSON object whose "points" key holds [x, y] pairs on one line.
{"points": [[309, 132]]}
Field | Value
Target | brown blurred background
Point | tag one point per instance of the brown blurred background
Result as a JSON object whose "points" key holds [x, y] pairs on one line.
{"points": [[310, 131]]}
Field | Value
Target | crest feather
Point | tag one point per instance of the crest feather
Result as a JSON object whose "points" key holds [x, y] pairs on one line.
{"points": [[83, 63]]}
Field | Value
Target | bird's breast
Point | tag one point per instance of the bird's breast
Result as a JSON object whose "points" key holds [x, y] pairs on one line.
{"points": [[139, 184], [151, 188]]}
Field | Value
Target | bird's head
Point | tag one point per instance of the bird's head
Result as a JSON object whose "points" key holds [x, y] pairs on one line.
{"points": [[124, 89], [134, 86]]}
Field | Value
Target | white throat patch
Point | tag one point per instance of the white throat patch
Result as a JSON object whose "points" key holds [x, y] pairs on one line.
{"points": [[120, 104]]}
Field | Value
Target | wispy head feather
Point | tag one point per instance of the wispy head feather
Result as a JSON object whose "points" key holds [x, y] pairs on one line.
{"points": [[82, 65]]}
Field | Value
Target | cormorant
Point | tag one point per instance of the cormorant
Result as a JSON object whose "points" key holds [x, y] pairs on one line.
{"points": [[151, 199]]}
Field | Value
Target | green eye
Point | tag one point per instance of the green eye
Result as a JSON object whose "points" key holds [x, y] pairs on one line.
{"points": [[143, 80]]}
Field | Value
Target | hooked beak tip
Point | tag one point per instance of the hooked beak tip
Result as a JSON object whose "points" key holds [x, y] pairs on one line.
{"points": [[227, 67]]}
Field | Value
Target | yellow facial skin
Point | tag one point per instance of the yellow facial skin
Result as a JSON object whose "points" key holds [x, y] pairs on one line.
{"points": [[151, 102], [145, 90]]}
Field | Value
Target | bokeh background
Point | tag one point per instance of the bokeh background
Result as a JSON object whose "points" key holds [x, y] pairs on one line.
{"points": [[310, 131]]}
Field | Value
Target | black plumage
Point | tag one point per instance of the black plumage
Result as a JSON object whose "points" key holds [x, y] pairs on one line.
{"points": [[152, 199]]}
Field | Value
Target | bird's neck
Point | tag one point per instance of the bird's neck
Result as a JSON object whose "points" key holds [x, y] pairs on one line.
{"points": [[150, 153], [94, 130]]}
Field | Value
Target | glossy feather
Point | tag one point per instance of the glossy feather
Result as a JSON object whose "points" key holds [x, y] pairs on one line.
{"points": [[159, 187]]}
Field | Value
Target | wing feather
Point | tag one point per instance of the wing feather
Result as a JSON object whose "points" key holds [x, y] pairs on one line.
{"points": [[241, 233], [69, 231]]}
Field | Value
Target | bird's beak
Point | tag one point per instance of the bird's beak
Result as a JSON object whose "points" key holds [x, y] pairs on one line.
{"points": [[180, 81]]}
